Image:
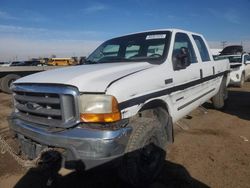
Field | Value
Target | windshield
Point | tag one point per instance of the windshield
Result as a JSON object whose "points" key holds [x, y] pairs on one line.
{"points": [[232, 59], [149, 46]]}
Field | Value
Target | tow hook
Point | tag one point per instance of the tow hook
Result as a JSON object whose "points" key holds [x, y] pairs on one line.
{"points": [[51, 162]]}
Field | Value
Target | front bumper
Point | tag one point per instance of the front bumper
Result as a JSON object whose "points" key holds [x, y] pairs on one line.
{"points": [[93, 147]]}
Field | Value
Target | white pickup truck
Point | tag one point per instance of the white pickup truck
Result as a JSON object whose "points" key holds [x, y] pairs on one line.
{"points": [[240, 68], [126, 96]]}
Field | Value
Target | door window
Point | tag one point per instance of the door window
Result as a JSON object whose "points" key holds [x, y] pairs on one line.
{"points": [[246, 58], [183, 52]]}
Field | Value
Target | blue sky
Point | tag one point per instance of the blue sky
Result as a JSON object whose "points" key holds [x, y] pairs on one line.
{"points": [[65, 28]]}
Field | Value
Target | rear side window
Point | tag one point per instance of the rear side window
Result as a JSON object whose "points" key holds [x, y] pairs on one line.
{"points": [[202, 48]]}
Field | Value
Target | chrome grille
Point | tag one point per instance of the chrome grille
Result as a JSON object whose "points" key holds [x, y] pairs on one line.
{"points": [[50, 105]]}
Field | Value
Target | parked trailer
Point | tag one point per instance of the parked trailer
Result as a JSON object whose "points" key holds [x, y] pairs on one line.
{"points": [[10, 74]]}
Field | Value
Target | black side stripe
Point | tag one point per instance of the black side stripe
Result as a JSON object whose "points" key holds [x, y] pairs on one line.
{"points": [[197, 98], [179, 99], [142, 99]]}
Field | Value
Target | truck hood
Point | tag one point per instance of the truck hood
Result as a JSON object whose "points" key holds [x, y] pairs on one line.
{"points": [[87, 78]]}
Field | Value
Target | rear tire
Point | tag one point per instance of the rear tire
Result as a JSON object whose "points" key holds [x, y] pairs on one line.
{"points": [[220, 98], [7, 81], [144, 156]]}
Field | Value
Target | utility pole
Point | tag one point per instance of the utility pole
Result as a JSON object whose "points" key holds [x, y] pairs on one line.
{"points": [[223, 44], [241, 43]]}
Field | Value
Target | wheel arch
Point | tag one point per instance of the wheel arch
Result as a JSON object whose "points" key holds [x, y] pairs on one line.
{"points": [[156, 103], [161, 110]]}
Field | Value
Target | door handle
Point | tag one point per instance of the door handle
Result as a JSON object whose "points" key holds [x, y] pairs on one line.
{"points": [[169, 81], [201, 73]]}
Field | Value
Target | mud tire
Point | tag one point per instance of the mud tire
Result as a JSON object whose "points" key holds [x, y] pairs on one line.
{"points": [[144, 156]]}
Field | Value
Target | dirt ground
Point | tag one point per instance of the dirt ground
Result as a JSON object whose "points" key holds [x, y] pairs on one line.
{"points": [[211, 149]]}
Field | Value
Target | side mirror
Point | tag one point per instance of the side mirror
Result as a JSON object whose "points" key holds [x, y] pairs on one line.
{"points": [[182, 59], [82, 60]]}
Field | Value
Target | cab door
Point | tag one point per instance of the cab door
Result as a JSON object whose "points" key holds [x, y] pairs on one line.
{"points": [[186, 75], [208, 67]]}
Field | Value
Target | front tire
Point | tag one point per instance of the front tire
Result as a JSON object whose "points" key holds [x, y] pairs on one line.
{"points": [[144, 157]]}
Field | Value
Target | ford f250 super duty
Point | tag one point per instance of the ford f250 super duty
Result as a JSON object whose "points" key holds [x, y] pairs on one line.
{"points": [[125, 97]]}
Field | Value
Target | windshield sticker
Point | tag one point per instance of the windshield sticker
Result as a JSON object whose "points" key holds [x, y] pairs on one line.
{"points": [[159, 36]]}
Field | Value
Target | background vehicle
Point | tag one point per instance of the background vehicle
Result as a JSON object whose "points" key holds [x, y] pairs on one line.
{"points": [[9, 74], [4, 64], [123, 100], [233, 49], [61, 61], [239, 64], [26, 63]]}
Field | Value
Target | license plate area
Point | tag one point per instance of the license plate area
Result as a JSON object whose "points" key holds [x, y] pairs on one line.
{"points": [[29, 148]]}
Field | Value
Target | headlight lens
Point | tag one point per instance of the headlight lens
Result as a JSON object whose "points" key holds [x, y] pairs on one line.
{"points": [[99, 108]]}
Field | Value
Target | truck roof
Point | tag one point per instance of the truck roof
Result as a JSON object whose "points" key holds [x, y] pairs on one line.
{"points": [[168, 29]]}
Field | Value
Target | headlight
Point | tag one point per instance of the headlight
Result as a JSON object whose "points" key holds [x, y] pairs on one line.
{"points": [[99, 108]]}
